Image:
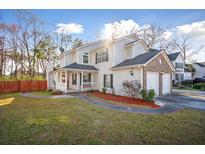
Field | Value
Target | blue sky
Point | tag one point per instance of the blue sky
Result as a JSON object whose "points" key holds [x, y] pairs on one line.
{"points": [[94, 20]]}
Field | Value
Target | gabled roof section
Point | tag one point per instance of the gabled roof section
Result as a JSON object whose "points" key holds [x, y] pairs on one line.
{"points": [[140, 59], [80, 66], [173, 56], [201, 64]]}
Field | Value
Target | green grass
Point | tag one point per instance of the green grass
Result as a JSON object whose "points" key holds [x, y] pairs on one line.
{"points": [[72, 121], [42, 93]]}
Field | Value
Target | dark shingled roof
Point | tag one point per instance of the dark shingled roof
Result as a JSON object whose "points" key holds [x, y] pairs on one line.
{"points": [[201, 64], [80, 66], [173, 56], [140, 59]]}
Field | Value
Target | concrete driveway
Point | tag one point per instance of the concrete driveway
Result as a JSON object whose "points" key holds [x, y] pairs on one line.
{"points": [[185, 99]]}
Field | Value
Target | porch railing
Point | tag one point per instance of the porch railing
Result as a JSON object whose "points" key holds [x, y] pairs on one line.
{"points": [[89, 85]]}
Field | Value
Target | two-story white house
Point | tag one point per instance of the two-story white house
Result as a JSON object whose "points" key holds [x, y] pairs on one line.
{"points": [[177, 60], [200, 70], [180, 73], [107, 64]]}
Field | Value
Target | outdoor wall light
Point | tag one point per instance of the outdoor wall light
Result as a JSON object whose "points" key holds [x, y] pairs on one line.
{"points": [[131, 72]]}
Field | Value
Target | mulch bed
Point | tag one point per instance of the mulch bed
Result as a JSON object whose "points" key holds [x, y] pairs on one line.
{"points": [[124, 99]]}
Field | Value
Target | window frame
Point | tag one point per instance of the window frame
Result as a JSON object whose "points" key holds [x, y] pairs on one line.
{"points": [[85, 55], [108, 80], [63, 77], [102, 56]]}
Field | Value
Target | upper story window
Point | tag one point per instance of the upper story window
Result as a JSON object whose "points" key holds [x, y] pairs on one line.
{"points": [[85, 58], [179, 65], [102, 56]]}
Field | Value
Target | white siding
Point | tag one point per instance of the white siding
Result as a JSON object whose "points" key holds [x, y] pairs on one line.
{"points": [[119, 76], [139, 48], [200, 71], [119, 50]]}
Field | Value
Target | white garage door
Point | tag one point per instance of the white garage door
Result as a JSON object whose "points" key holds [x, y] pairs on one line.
{"points": [[166, 83], [153, 81]]}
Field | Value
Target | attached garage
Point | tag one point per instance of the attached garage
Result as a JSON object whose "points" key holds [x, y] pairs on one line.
{"points": [[153, 81], [166, 83]]}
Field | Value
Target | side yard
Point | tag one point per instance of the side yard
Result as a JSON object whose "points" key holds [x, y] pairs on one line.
{"points": [[72, 121]]}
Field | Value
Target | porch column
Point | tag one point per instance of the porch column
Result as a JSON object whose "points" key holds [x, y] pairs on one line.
{"points": [[66, 82], [81, 81]]}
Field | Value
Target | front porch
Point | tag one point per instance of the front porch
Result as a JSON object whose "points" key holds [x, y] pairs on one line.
{"points": [[75, 80]]}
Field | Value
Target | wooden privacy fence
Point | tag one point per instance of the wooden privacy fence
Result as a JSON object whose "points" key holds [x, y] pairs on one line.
{"points": [[22, 85]]}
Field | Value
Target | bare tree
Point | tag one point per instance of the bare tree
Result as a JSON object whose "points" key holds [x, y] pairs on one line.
{"points": [[154, 36], [185, 45], [31, 34]]}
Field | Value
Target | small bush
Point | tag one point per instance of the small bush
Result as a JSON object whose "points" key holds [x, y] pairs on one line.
{"points": [[151, 94], [198, 86], [148, 96], [131, 88], [104, 90], [187, 82], [143, 93]]}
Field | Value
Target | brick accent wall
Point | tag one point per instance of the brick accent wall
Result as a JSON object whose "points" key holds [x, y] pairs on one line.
{"points": [[155, 66]]}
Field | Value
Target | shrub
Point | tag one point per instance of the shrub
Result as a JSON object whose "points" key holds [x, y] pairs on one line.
{"points": [[198, 86], [148, 96], [187, 82], [132, 88], [143, 93], [104, 90]]}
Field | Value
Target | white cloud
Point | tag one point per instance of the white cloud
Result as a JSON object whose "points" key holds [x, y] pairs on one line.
{"points": [[195, 30], [70, 28], [123, 27]]}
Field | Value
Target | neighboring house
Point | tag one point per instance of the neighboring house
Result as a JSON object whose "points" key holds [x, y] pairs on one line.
{"points": [[108, 64], [200, 70], [177, 60]]}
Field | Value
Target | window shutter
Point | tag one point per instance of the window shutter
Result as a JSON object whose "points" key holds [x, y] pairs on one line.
{"points": [[89, 77], [111, 80], [96, 56], [107, 55], [104, 79], [80, 78]]}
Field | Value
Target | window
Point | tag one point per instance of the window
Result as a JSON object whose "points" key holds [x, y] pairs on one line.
{"points": [[86, 77], [63, 77], [108, 80], [176, 76], [179, 65], [74, 78], [102, 56], [129, 52], [85, 58]]}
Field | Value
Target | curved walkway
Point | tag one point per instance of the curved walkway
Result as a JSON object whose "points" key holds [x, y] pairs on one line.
{"points": [[164, 109], [168, 108], [30, 95]]}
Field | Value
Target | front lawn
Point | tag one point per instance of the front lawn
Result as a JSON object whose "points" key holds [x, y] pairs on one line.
{"points": [[72, 121]]}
